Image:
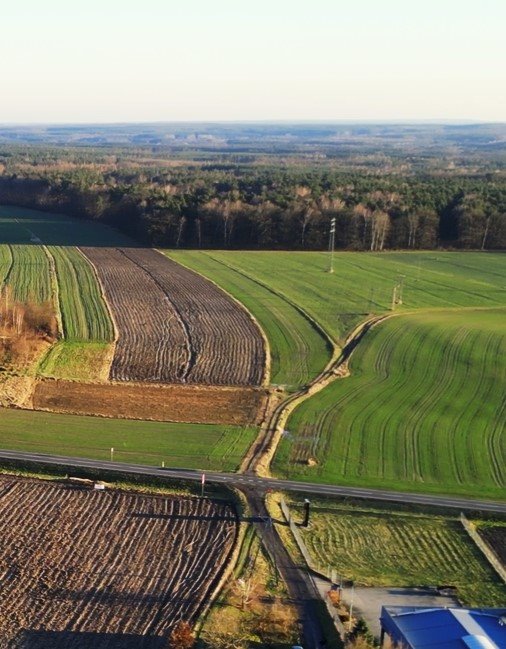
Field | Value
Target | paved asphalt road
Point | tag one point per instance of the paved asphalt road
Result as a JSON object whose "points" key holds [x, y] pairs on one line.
{"points": [[251, 482]]}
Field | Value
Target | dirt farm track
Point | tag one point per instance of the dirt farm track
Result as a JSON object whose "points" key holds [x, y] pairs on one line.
{"points": [[84, 569]]}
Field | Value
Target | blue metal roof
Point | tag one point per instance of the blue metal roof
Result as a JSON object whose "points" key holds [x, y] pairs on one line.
{"points": [[417, 627]]}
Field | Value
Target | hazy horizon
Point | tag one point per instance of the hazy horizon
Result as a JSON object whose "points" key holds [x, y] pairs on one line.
{"points": [[274, 122], [330, 61]]}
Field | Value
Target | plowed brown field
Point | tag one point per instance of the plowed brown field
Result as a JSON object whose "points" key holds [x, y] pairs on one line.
{"points": [[180, 403], [86, 569], [495, 536], [173, 325]]}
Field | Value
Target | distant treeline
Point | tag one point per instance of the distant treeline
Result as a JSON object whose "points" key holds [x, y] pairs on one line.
{"points": [[232, 205]]}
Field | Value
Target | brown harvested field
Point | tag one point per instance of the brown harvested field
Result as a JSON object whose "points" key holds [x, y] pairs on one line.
{"points": [[173, 325], [83, 569], [495, 536], [179, 403]]}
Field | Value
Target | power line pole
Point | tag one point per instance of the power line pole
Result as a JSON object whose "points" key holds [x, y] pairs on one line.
{"points": [[394, 297], [332, 239], [401, 288], [351, 603]]}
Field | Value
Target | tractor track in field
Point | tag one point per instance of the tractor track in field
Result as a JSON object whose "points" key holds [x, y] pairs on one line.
{"points": [[258, 461]]}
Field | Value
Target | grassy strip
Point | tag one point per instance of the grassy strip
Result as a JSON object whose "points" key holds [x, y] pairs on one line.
{"points": [[30, 275], [77, 361], [379, 545], [25, 266], [140, 484], [199, 446], [84, 313]]}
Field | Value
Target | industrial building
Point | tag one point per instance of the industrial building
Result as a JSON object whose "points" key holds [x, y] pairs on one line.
{"points": [[418, 627]]}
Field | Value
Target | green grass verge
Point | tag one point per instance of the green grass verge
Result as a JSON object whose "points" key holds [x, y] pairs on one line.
{"points": [[76, 361], [198, 446], [298, 349], [85, 316], [30, 274], [423, 410], [389, 546]]}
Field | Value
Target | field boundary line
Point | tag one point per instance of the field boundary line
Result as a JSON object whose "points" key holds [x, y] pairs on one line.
{"points": [[55, 290], [230, 561], [267, 348], [328, 375], [334, 346], [313, 569], [300, 541], [113, 342], [483, 546]]}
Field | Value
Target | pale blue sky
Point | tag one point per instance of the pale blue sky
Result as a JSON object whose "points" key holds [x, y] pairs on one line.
{"points": [[118, 60]]}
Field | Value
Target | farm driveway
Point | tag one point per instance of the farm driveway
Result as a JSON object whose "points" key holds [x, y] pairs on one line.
{"points": [[367, 602]]}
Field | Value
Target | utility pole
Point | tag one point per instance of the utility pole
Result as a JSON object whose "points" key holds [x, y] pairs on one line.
{"points": [[401, 288], [394, 297], [371, 299], [351, 603], [112, 454], [332, 240]]}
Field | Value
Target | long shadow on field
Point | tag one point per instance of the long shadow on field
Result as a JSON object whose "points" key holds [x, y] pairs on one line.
{"points": [[30, 639], [185, 517], [111, 597]]}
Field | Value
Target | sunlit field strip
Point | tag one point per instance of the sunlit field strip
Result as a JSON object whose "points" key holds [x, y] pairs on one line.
{"points": [[198, 446], [387, 546], [84, 313], [363, 283], [423, 409]]}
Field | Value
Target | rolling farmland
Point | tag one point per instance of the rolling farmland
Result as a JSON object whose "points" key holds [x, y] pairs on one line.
{"points": [[394, 547], [105, 568], [174, 326], [39, 273], [363, 283], [423, 409], [298, 349]]}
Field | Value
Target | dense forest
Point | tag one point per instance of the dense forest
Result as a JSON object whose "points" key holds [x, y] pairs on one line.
{"points": [[271, 196]]}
